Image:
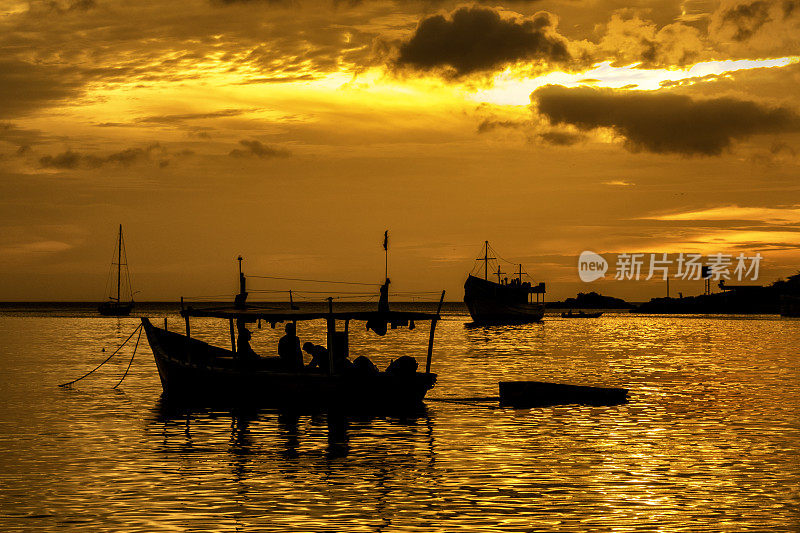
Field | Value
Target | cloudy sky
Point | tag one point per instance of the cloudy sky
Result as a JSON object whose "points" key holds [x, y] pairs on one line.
{"points": [[295, 132]]}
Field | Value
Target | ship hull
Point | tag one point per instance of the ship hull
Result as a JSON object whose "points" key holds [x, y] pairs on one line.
{"points": [[492, 303]]}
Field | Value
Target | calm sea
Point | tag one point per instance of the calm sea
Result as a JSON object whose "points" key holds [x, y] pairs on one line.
{"points": [[710, 440]]}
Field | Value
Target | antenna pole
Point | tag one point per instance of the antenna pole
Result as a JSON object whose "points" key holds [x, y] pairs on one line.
{"points": [[386, 254], [499, 273]]}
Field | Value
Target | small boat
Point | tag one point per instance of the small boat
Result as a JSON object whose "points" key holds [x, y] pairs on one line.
{"points": [[196, 371], [504, 302], [541, 393], [115, 306], [581, 314]]}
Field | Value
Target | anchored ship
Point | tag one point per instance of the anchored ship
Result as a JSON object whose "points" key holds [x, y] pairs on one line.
{"points": [[506, 302]]}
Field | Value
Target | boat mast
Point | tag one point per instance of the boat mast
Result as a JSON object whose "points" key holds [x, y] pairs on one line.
{"points": [[119, 261], [485, 260]]}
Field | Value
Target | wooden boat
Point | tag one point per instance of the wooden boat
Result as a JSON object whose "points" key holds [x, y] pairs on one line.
{"points": [[504, 302], [581, 314], [197, 371], [542, 393], [115, 306]]}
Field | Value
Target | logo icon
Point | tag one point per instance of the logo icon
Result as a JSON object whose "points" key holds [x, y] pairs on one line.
{"points": [[591, 266]]}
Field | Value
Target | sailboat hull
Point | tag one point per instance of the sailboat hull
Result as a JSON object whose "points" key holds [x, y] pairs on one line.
{"points": [[115, 309]]}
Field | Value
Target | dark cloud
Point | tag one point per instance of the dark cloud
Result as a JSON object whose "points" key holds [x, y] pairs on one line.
{"points": [[257, 149], [69, 159], [746, 19], [475, 39], [20, 137], [65, 160], [757, 27], [490, 125], [61, 6], [173, 119], [663, 122], [561, 138], [279, 79], [25, 87], [268, 2]]}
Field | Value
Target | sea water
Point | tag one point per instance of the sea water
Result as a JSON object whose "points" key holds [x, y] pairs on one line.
{"points": [[709, 441]]}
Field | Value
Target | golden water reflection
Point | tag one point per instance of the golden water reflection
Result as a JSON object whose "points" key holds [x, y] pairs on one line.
{"points": [[708, 441]]}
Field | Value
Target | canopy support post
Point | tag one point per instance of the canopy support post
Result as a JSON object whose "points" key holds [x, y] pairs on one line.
{"points": [[331, 335], [430, 339], [233, 336]]}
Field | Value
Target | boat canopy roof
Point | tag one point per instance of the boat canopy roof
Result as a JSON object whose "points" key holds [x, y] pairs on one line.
{"points": [[251, 314]]}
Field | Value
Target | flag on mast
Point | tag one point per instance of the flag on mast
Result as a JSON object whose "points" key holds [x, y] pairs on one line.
{"points": [[386, 240]]}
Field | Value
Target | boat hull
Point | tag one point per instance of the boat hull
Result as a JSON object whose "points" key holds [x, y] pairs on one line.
{"points": [[115, 309], [491, 303], [582, 315], [523, 394], [198, 372]]}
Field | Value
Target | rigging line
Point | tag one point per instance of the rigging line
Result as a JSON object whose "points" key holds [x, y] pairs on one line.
{"points": [[104, 362], [323, 292], [415, 292], [208, 296], [131, 361], [501, 257], [273, 290], [315, 280]]}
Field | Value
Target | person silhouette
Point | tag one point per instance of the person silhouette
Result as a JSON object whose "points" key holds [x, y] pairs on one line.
{"points": [[289, 349], [243, 349], [319, 356]]}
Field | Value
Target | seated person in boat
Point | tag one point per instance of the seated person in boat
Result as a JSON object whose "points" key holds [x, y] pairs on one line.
{"points": [[243, 349], [319, 356], [320, 359], [289, 349]]}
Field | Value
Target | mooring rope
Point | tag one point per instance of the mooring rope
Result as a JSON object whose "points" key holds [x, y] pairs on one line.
{"points": [[131, 361], [104, 362]]}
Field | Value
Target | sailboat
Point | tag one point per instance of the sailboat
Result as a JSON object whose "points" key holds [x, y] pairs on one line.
{"points": [[504, 302], [115, 306]]}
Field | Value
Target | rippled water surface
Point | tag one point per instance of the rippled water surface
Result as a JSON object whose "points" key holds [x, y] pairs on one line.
{"points": [[709, 441]]}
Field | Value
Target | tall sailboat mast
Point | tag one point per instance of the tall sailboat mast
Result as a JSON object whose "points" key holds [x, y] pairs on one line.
{"points": [[119, 262]]}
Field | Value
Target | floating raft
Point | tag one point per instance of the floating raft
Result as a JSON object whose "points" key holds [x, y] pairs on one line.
{"points": [[541, 393]]}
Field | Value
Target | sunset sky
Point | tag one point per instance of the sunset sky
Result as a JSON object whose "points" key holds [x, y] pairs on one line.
{"points": [[296, 132]]}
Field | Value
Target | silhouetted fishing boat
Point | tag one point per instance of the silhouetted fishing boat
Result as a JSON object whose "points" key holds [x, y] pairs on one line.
{"points": [[504, 302], [115, 306], [195, 370], [581, 314]]}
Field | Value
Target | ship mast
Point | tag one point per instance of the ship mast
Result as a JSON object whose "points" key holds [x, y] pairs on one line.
{"points": [[485, 260], [119, 262]]}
